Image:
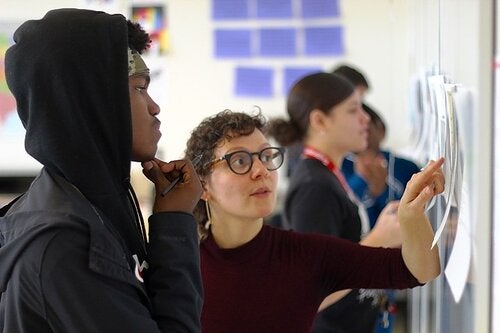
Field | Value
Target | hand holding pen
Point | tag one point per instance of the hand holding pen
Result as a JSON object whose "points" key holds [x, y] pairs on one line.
{"points": [[178, 187], [194, 162]]}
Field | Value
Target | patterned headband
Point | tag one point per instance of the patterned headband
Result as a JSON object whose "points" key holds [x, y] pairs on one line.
{"points": [[136, 65]]}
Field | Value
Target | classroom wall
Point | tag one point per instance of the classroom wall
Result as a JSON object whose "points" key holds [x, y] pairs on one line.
{"points": [[457, 36], [389, 40], [197, 85]]}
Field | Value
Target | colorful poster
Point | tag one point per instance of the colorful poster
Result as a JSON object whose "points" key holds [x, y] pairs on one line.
{"points": [[152, 19]]}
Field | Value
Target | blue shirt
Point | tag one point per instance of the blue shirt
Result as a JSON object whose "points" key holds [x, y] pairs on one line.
{"points": [[399, 172]]}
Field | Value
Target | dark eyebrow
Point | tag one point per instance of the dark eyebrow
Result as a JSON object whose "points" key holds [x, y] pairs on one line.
{"points": [[243, 149]]}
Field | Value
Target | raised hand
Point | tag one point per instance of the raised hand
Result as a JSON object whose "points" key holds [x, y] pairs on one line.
{"points": [[416, 230], [420, 189]]}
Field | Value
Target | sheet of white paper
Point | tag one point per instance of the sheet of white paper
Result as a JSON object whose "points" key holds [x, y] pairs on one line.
{"points": [[434, 136], [458, 269], [495, 301], [424, 117], [421, 116], [447, 142], [458, 266]]}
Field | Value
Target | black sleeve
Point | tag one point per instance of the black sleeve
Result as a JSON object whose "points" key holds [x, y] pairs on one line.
{"points": [[174, 278], [314, 207], [77, 299]]}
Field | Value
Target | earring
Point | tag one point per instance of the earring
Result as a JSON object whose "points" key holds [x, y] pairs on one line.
{"points": [[209, 216]]}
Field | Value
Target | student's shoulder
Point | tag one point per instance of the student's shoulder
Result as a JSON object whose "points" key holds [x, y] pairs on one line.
{"points": [[39, 251], [45, 237], [296, 238], [310, 171], [65, 246]]}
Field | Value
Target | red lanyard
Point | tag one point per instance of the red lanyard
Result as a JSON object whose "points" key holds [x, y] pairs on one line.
{"points": [[310, 152]]}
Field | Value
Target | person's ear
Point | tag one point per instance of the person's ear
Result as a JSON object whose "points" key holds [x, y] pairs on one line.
{"points": [[204, 196], [317, 120]]}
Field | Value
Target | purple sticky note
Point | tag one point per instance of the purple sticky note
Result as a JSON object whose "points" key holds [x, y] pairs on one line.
{"points": [[277, 42], [233, 43], [253, 81], [293, 74], [324, 41], [319, 8], [274, 9], [229, 9]]}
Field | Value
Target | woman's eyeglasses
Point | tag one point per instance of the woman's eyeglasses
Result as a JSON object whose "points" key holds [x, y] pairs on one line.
{"points": [[240, 162]]}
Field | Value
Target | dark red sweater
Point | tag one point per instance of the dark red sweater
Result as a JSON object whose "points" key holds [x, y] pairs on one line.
{"points": [[276, 282]]}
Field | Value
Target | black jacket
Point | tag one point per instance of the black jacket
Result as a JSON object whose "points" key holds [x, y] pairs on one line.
{"points": [[67, 246], [63, 270]]}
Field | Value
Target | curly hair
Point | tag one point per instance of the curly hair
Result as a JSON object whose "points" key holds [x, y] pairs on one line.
{"points": [[211, 133], [138, 39]]}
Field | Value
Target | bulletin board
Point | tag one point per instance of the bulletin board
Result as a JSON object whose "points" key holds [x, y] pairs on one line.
{"points": [[442, 114]]}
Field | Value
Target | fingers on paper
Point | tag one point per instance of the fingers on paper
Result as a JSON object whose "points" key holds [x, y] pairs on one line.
{"points": [[425, 184]]}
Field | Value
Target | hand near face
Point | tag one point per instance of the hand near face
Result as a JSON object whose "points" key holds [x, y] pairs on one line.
{"points": [[372, 167], [184, 195]]}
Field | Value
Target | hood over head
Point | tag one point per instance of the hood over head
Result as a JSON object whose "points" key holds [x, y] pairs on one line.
{"points": [[69, 74]]}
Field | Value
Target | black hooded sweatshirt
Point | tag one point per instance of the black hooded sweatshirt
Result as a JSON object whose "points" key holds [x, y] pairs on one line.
{"points": [[69, 246]]}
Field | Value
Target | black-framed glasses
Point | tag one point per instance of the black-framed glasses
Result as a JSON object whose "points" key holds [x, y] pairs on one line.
{"points": [[240, 162]]}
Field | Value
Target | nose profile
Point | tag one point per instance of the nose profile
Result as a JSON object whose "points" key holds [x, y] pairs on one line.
{"points": [[258, 167], [154, 109]]}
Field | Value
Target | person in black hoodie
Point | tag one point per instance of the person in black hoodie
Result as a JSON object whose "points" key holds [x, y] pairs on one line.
{"points": [[73, 251]]}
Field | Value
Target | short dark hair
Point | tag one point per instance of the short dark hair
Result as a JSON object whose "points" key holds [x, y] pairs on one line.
{"points": [[352, 74], [138, 38], [374, 116]]}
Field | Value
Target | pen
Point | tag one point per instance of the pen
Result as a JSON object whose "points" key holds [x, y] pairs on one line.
{"points": [[195, 163]]}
